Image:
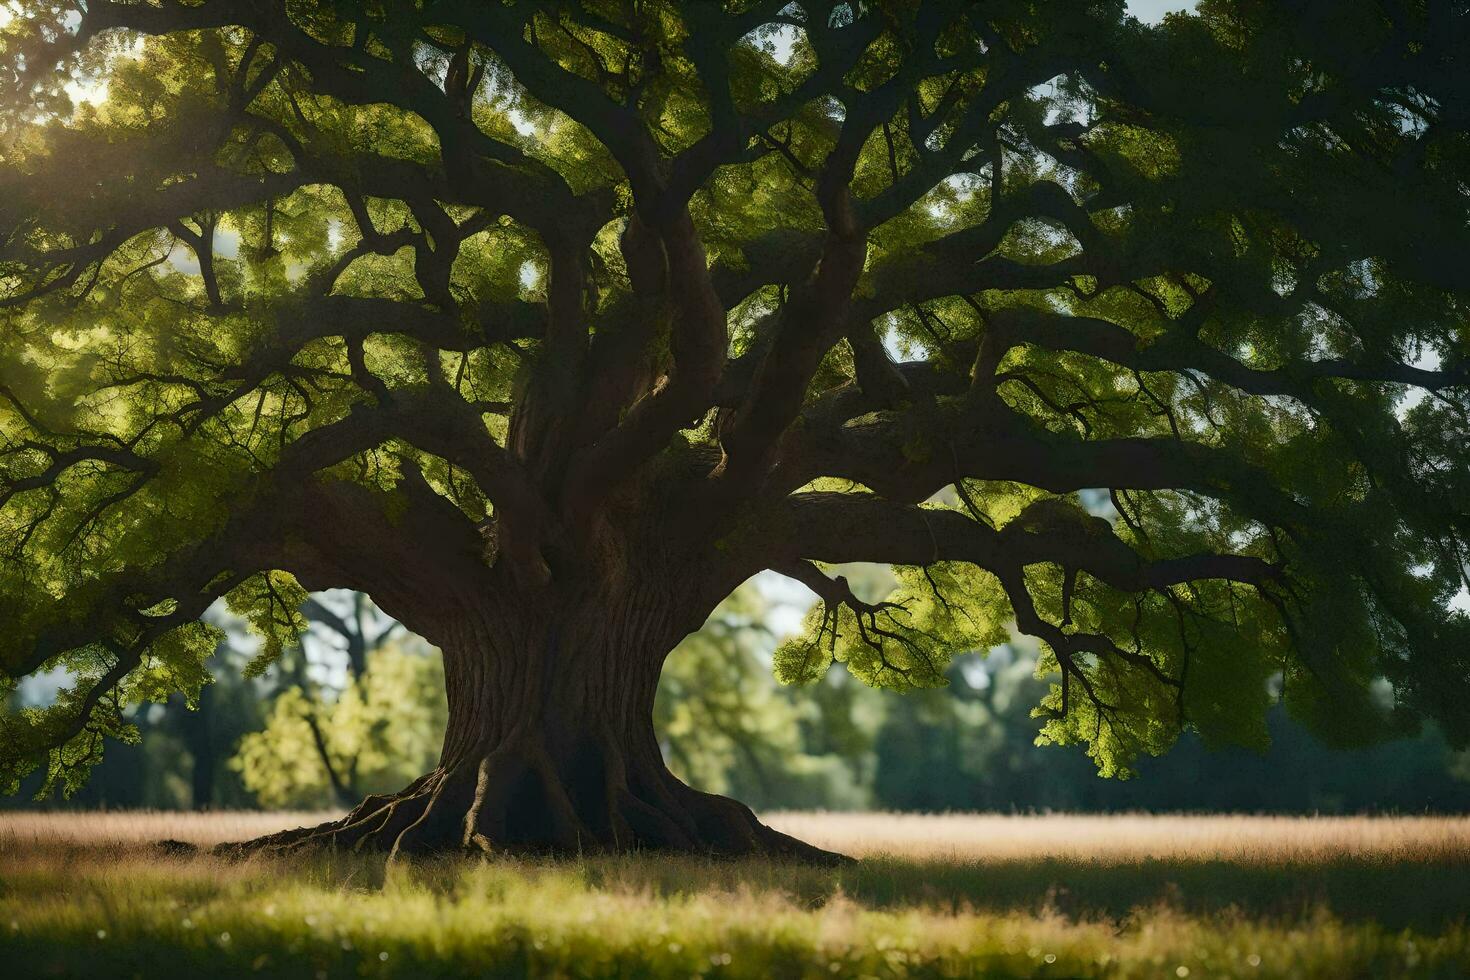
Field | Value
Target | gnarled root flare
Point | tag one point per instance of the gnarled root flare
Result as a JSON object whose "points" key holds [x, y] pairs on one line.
{"points": [[516, 799]]}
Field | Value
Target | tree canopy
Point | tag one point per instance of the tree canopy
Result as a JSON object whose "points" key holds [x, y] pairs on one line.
{"points": [[1149, 342]]}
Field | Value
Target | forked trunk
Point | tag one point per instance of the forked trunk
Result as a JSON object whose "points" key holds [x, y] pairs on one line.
{"points": [[550, 747]]}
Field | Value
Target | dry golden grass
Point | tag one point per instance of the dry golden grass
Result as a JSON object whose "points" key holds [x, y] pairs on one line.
{"points": [[102, 827], [1131, 837], [87, 894], [963, 837]]}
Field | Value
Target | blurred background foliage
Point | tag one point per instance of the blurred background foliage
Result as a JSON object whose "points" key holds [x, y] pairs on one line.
{"points": [[357, 707]]}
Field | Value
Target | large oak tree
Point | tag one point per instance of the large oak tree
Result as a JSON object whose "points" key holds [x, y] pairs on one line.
{"points": [[547, 324]]}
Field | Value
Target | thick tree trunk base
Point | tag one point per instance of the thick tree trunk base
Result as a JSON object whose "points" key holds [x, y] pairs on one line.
{"points": [[518, 802], [550, 746]]}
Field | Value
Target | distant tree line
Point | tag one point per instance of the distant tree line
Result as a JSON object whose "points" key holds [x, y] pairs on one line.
{"points": [[321, 736]]}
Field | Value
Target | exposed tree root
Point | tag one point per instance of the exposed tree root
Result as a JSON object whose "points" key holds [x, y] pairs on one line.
{"points": [[515, 799]]}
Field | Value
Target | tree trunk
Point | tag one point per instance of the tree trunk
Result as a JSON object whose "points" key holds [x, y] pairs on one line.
{"points": [[198, 729], [550, 747]]}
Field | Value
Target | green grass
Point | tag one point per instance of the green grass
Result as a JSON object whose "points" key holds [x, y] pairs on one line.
{"points": [[72, 906]]}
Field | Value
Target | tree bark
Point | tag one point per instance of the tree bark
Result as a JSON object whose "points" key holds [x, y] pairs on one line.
{"points": [[550, 746], [197, 729]]}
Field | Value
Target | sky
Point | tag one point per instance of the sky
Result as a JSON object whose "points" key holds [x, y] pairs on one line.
{"points": [[1153, 11]]}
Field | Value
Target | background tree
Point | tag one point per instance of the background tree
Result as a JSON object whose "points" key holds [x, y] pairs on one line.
{"points": [[324, 746], [351, 627], [342, 718], [967, 746], [591, 311], [726, 727]]}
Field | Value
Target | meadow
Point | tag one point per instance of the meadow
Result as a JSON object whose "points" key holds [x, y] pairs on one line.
{"points": [[950, 896]]}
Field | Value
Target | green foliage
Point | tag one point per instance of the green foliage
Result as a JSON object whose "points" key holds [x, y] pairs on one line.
{"points": [[725, 728], [65, 739], [380, 731], [270, 603], [1214, 268], [836, 744], [908, 636], [176, 663]]}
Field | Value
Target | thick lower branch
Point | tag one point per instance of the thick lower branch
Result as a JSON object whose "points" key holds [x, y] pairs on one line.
{"points": [[841, 527]]}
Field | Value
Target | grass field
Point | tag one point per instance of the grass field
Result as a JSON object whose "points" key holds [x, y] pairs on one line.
{"points": [[1062, 896]]}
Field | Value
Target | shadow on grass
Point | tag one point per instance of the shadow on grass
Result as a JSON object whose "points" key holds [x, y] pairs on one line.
{"points": [[93, 910], [1421, 894], [1393, 894]]}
